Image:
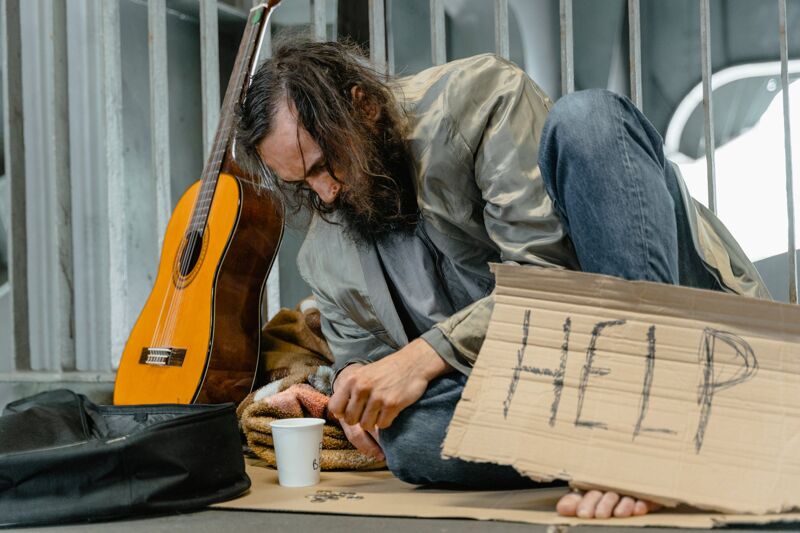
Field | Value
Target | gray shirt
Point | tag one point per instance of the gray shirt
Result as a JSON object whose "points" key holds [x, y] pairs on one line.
{"points": [[426, 287]]}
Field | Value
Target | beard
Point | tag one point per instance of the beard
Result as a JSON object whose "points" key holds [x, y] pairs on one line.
{"points": [[373, 207]]}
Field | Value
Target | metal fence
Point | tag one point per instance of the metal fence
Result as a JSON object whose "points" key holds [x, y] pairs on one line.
{"points": [[89, 310], [438, 51]]}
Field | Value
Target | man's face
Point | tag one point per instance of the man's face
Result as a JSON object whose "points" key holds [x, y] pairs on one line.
{"points": [[291, 152], [370, 206]]}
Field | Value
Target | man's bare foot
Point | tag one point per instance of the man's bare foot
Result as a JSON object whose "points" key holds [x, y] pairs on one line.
{"points": [[598, 504]]}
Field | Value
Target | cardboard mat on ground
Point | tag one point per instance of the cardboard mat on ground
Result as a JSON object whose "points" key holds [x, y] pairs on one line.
{"points": [[380, 494], [668, 393]]}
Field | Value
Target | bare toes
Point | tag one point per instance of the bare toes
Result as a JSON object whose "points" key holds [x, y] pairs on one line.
{"points": [[624, 508], [568, 504], [640, 508], [606, 505], [643, 507], [588, 504]]}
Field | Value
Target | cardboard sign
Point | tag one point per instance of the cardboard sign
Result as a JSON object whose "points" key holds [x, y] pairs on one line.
{"points": [[662, 392]]}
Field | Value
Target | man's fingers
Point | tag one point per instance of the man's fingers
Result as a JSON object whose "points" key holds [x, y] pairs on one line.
{"points": [[367, 445], [387, 416], [355, 407], [338, 402], [370, 416], [588, 504], [605, 507], [362, 441], [343, 389], [568, 504], [624, 508], [374, 433]]}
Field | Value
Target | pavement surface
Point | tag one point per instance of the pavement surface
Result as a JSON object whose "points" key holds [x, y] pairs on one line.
{"points": [[214, 520]]}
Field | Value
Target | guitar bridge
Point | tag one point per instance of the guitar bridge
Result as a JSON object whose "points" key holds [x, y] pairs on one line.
{"points": [[162, 356]]}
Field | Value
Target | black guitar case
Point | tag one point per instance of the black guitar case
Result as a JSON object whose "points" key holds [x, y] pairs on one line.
{"points": [[65, 459]]}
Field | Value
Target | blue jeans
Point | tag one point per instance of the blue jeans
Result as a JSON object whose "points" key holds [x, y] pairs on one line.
{"points": [[603, 166]]}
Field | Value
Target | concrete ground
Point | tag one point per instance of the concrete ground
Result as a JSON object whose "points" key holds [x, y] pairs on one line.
{"points": [[251, 521]]}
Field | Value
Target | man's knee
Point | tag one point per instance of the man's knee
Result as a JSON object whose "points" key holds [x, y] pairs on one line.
{"points": [[585, 118], [412, 444], [410, 457]]}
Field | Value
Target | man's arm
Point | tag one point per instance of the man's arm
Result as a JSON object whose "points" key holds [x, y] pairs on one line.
{"points": [[500, 124]]}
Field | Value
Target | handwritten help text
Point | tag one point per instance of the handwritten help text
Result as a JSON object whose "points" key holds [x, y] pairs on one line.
{"points": [[710, 383]]}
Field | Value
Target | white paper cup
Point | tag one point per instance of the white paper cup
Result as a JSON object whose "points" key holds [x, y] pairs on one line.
{"points": [[297, 444]]}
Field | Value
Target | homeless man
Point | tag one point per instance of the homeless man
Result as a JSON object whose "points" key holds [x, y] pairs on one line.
{"points": [[417, 184]]}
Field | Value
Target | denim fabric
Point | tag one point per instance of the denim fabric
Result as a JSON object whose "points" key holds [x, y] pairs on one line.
{"points": [[603, 165], [412, 444]]}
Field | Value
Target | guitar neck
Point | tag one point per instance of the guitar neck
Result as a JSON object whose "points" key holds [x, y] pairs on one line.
{"points": [[246, 57]]}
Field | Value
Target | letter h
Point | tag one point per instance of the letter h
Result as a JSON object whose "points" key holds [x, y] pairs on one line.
{"points": [[557, 374]]}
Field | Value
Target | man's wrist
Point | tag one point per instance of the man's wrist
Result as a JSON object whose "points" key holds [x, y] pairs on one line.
{"points": [[347, 368], [430, 364]]}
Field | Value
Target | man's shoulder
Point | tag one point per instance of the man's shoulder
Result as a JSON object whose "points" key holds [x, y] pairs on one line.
{"points": [[468, 64], [461, 74]]}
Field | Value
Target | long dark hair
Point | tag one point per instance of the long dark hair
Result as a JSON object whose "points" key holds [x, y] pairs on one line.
{"points": [[318, 78]]}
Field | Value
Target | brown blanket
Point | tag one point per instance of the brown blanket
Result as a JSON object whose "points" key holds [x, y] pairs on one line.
{"points": [[295, 357]]}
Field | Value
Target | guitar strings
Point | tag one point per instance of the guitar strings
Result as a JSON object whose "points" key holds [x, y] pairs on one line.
{"points": [[205, 200], [186, 258], [159, 338], [162, 336]]}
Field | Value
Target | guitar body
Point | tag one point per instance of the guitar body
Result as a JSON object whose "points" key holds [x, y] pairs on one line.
{"points": [[197, 339]]}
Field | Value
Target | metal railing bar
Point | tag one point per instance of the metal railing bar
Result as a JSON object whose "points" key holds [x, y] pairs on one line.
{"points": [[335, 21], [708, 110], [438, 36], [14, 149], [117, 212], [567, 59], [55, 297], [318, 20], [390, 63], [159, 113], [635, 51], [501, 44], [209, 71], [787, 144], [377, 34]]}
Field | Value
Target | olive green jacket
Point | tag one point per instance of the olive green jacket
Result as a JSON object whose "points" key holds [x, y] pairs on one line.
{"points": [[474, 129]]}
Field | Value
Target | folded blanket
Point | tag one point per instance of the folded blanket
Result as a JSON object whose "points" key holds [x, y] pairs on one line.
{"points": [[296, 367], [292, 346], [300, 401]]}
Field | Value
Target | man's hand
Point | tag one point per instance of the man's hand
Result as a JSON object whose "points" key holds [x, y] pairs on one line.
{"points": [[373, 395], [365, 441], [598, 504]]}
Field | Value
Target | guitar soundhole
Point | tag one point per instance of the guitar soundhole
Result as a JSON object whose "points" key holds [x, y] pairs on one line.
{"points": [[191, 252], [189, 257]]}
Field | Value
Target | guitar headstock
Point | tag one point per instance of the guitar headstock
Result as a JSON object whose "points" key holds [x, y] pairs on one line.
{"points": [[269, 4], [263, 10]]}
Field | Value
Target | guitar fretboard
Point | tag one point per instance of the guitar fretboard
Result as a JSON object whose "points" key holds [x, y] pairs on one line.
{"points": [[236, 86]]}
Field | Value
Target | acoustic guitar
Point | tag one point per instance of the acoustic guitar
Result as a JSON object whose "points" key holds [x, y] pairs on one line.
{"points": [[197, 339]]}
